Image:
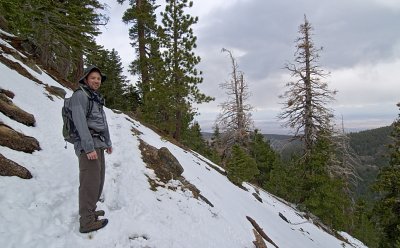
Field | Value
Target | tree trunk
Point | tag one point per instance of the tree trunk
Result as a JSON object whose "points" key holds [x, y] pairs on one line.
{"points": [[44, 44], [78, 69], [308, 129], [142, 51], [178, 125]]}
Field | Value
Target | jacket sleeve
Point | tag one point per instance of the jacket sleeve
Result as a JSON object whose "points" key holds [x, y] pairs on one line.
{"points": [[79, 105]]}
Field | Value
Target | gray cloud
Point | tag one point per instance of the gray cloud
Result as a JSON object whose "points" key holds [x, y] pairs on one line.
{"points": [[361, 41], [350, 31]]}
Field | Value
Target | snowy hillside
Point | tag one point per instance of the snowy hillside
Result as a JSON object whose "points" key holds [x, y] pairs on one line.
{"points": [[43, 211]]}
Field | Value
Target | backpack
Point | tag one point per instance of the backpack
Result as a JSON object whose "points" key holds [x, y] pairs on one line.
{"points": [[69, 131]]}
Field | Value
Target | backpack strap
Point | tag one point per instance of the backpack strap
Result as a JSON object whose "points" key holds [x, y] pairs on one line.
{"points": [[90, 107]]}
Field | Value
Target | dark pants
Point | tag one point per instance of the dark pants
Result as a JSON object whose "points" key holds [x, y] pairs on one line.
{"points": [[91, 181]]}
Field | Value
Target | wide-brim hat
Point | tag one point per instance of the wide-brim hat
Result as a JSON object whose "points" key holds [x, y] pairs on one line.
{"points": [[88, 70]]}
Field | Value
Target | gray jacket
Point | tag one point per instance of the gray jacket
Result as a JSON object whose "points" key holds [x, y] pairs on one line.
{"points": [[93, 128]]}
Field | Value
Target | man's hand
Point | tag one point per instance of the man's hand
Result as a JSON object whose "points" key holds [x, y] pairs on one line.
{"points": [[92, 155], [109, 150]]}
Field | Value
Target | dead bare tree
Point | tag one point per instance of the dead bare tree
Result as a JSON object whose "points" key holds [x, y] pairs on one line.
{"points": [[305, 107], [235, 120], [345, 162]]}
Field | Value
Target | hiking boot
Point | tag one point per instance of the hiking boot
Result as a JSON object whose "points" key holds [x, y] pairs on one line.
{"points": [[99, 213], [93, 226]]}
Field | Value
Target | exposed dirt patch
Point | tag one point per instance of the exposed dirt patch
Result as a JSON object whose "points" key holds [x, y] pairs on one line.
{"points": [[20, 44], [17, 141], [8, 93], [25, 58], [56, 91], [18, 68], [259, 242], [260, 231], [8, 108], [10, 168], [166, 167], [27, 48]]}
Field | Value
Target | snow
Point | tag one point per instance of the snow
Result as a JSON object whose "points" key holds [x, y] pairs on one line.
{"points": [[43, 211]]}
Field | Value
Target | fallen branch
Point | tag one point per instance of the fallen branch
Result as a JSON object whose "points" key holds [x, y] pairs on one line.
{"points": [[11, 168], [260, 231], [259, 242]]}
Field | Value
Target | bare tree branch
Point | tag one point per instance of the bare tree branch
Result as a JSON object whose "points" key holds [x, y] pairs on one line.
{"points": [[305, 106], [235, 118]]}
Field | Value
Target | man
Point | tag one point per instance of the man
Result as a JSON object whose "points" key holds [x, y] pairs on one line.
{"points": [[92, 138]]}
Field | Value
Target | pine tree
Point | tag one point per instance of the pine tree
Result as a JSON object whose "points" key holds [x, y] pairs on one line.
{"points": [[305, 103], [387, 209], [286, 181], [60, 32], [215, 145], [265, 157], [312, 186], [241, 167], [144, 34], [132, 98], [182, 77], [364, 228], [322, 194], [193, 138], [116, 88], [12, 16], [216, 137]]}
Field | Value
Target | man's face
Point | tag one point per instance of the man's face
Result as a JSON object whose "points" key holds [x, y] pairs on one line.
{"points": [[94, 80]]}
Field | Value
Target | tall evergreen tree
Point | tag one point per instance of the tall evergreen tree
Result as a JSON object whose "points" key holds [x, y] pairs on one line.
{"points": [[387, 209], [182, 77], [306, 111], [305, 107], [144, 34], [61, 31]]}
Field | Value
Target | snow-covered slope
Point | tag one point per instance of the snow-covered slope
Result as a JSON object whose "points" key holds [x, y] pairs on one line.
{"points": [[43, 211]]}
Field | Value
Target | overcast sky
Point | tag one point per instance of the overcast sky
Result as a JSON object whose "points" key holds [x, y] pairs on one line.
{"points": [[361, 41]]}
